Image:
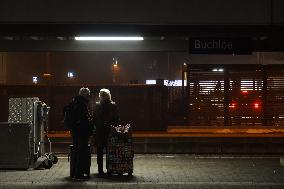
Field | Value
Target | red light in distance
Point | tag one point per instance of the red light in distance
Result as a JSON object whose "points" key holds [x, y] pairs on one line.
{"points": [[245, 92], [233, 105], [256, 105]]}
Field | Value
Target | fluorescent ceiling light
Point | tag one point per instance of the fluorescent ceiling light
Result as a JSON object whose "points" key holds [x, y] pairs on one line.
{"points": [[109, 38]]}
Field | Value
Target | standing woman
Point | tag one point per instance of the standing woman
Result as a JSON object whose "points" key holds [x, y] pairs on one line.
{"points": [[106, 114]]}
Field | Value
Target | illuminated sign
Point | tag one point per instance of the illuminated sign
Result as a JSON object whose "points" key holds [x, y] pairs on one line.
{"points": [[167, 82], [35, 80], [150, 82], [174, 82], [218, 70], [70, 74]]}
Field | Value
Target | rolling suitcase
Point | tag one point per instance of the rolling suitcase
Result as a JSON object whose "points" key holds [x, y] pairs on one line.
{"points": [[72, 161], [120, 152]]}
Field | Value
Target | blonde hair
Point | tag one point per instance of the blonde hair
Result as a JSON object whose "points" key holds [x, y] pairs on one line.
{"points": [[104, 94]]}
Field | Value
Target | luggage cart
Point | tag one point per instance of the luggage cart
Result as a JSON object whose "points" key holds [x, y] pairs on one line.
{"points": [[42, 158]]}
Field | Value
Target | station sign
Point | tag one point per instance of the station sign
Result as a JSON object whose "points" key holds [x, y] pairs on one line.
{"points": [[211, 45]]}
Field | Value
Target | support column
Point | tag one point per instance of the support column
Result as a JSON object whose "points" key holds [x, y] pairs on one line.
{"points": [[3, 68], [282, 161], [183, 72], [187, 95], [226, 98], [48, 77], [264, 96], [47, 55]]}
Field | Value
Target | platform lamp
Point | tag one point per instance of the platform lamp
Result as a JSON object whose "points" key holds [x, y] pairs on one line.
{"points": [[47, 78], [115, 69]]}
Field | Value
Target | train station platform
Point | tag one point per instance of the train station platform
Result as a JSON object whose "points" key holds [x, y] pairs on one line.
{"points": [[198, 131], [169, 171], [197, 140]]}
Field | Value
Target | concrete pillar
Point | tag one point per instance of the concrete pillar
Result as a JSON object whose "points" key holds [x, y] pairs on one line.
{"points": [[47, 57], [3, 68]]}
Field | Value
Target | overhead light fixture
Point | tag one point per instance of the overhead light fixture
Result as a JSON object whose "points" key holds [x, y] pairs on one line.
{"points": [[137, 38], [46, 74]]}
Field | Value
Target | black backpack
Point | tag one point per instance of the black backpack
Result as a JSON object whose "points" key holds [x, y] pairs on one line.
{"points": [[69, 120]]}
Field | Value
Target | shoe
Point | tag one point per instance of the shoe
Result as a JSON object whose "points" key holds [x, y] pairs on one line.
{"points": [[101, 175], [87, 176], [81, 177]]}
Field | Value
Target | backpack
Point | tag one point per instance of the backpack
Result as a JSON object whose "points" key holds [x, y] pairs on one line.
{"points": [[69, 121]]}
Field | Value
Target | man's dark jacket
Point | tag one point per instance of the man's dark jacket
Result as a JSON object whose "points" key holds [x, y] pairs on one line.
{"points": [[106, 114], [84, 124]]}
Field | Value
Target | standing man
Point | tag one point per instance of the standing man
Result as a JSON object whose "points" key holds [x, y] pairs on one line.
{"points": [[106, 114], [81, 130]]}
